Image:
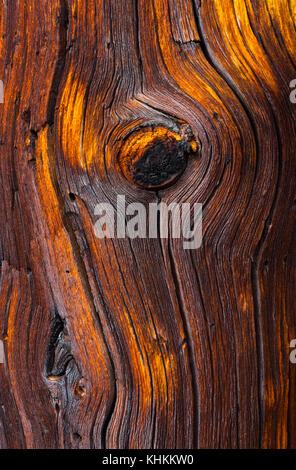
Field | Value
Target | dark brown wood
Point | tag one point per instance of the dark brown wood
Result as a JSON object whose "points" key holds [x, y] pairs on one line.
{"points": [[138, 343]]}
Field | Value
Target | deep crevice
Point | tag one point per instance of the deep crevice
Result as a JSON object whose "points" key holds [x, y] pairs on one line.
{"points": [[58, 354], [190, 347], [259, 248], [63, 21], [257, 304]]}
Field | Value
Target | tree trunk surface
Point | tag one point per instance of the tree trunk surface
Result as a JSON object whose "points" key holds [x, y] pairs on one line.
{"points": [[139, 343]]}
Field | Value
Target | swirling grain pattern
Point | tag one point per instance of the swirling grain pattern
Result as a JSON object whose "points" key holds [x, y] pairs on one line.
{"points": [[138, 343]]}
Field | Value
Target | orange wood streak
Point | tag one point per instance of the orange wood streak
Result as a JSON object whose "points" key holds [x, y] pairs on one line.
{"points": [[138, 343]]}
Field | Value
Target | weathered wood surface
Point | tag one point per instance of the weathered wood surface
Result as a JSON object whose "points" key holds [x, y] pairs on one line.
{"points": [[138, 343]]}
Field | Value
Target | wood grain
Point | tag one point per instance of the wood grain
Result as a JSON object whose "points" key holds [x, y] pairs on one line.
{"points": [[138, 343]]}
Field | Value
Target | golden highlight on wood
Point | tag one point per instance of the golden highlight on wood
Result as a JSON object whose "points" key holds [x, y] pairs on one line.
{"points": [[138, 343]]}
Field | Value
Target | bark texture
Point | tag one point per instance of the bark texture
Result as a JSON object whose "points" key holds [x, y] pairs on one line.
{"points": [[139, 343]]}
